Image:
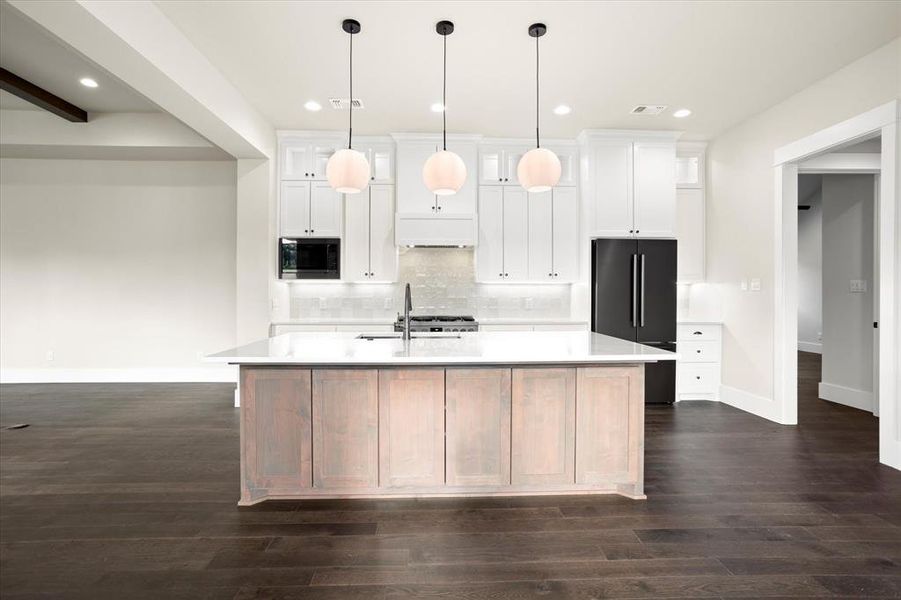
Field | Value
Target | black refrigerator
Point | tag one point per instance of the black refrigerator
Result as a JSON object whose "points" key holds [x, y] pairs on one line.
{"points": [[633, 297]]}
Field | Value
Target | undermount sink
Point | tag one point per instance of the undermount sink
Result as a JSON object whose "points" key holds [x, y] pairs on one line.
{"points": [[397, 335]]}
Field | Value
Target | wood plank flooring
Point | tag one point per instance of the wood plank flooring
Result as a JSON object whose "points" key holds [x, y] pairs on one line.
{"points": [[129, 491]]}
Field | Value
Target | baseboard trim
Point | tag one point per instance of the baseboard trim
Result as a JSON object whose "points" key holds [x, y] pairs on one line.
{"points": [[815, 347], [212, 374], [760, 406], [859, 399]]}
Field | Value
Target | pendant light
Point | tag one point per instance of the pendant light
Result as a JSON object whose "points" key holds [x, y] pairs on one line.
{"points": [[348, 170], [539, 169], [444, 172]]}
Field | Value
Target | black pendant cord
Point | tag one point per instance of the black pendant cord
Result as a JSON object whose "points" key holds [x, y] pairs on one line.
{"points": [[537, 111], [444, 98], [350, 111]]}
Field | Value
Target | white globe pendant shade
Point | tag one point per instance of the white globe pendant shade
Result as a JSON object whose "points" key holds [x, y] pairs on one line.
{"points": [[538, 170], [347, 171], [444, 173]]}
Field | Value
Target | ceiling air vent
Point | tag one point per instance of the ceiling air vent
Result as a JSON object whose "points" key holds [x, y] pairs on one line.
{"points": [[648, 109], [342, 103]]}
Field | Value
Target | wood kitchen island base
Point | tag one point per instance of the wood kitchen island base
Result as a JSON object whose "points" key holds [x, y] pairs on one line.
{"points": [[421, 431]]}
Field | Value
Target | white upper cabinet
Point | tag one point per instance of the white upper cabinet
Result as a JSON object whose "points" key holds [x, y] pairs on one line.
{"points": [[325, 210], [304, 157], [498, 162], [382, 251], [294, 209], [413, 196], [309, 209], [565, 234], [516, 234], [369, 251], [464, 202], [690, 234], [541, 236], [630, 184], [554, 235], [655, 189], [380, 154], [569, 164], [490, 251], [611, 182]]}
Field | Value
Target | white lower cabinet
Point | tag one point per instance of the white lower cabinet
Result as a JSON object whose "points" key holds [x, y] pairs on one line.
{"points": [[698, 369], [369, 251], [574, 326], [527, 237]]}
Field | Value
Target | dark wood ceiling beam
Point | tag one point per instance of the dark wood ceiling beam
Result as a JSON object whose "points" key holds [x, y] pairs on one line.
{"points": [[26, 90]]}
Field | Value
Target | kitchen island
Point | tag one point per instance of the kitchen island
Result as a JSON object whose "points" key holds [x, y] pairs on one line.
{"points": [[338, 415]]}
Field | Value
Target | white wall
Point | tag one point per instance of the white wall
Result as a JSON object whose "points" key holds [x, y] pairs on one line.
{"points": [[848, 205], [740, 212], [810, 264], [115, 267]]}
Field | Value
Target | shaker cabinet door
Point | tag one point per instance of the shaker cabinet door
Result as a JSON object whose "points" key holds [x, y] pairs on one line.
{"points": [[516, 234], [345, 428], [544, 416], [355, 243], [541, 236], [489, 253], [382, 250], [294, 209], [609, 424], [655, 190], [276, 430], [325, 210], [612, 179], [411, 427], [566, 235], [478, 427]]}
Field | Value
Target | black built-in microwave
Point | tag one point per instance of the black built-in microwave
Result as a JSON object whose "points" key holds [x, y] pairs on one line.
{"points": [[309, 258]]}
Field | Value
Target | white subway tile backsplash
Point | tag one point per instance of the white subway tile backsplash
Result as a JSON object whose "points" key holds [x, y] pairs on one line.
{"points": [[442, 281]]}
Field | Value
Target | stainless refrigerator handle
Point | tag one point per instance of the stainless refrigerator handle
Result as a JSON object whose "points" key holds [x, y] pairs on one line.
{"points": [[634, 316], [641, 323]]}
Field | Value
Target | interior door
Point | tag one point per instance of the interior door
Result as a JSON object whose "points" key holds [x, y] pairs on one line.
{"points": [[541, 232], [355, 243], [325, 210], [382, 251], [294, 209], [657, 305], [516, 234], [490, 251], [566, 234], [614, 288]]}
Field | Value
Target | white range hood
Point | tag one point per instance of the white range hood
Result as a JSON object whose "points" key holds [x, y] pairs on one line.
{"points": [[439, 230]]}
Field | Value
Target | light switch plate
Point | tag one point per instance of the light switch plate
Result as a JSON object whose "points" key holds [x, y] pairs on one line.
{"points": [[744, 285], [755, 285]]}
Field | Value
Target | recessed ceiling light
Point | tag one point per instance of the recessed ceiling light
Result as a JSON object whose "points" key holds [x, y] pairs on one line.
{"points": [[562, 109], [681, 113], [87, 82], [437, 107], [312, 105]]}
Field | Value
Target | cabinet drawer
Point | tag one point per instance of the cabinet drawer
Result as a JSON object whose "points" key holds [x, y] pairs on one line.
{"points": [[698, 333], [698, 378], [699, 352]]}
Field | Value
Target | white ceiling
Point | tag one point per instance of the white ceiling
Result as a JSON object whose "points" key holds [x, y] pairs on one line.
{"points": [[32, 53], [724, 60]]}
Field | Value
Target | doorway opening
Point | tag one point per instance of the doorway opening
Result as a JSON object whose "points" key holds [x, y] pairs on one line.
{"points": [[837, 281], [817, 153]]}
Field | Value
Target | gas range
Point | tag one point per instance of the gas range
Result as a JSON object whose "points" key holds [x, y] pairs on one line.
{"points": [[438, 323]]}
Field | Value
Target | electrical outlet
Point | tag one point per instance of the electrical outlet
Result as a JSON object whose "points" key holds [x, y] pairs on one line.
{"points": [[387, 303], [530, 303], [755, 285], [50, 355], [744, 285], [858, 286]]}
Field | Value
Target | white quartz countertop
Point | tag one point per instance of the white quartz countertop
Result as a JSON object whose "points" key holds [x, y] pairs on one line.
{"points": [[475, 348]]}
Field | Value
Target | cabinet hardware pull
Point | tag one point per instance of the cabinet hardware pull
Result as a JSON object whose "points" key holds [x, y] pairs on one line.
{"points": [[306, 231], [698, 377], [631, 231], [550, 274], [698, 351], [697, 333]]}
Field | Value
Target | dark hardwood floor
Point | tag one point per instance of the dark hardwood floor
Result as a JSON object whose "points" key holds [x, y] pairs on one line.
{"points": [[129, 491]]}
